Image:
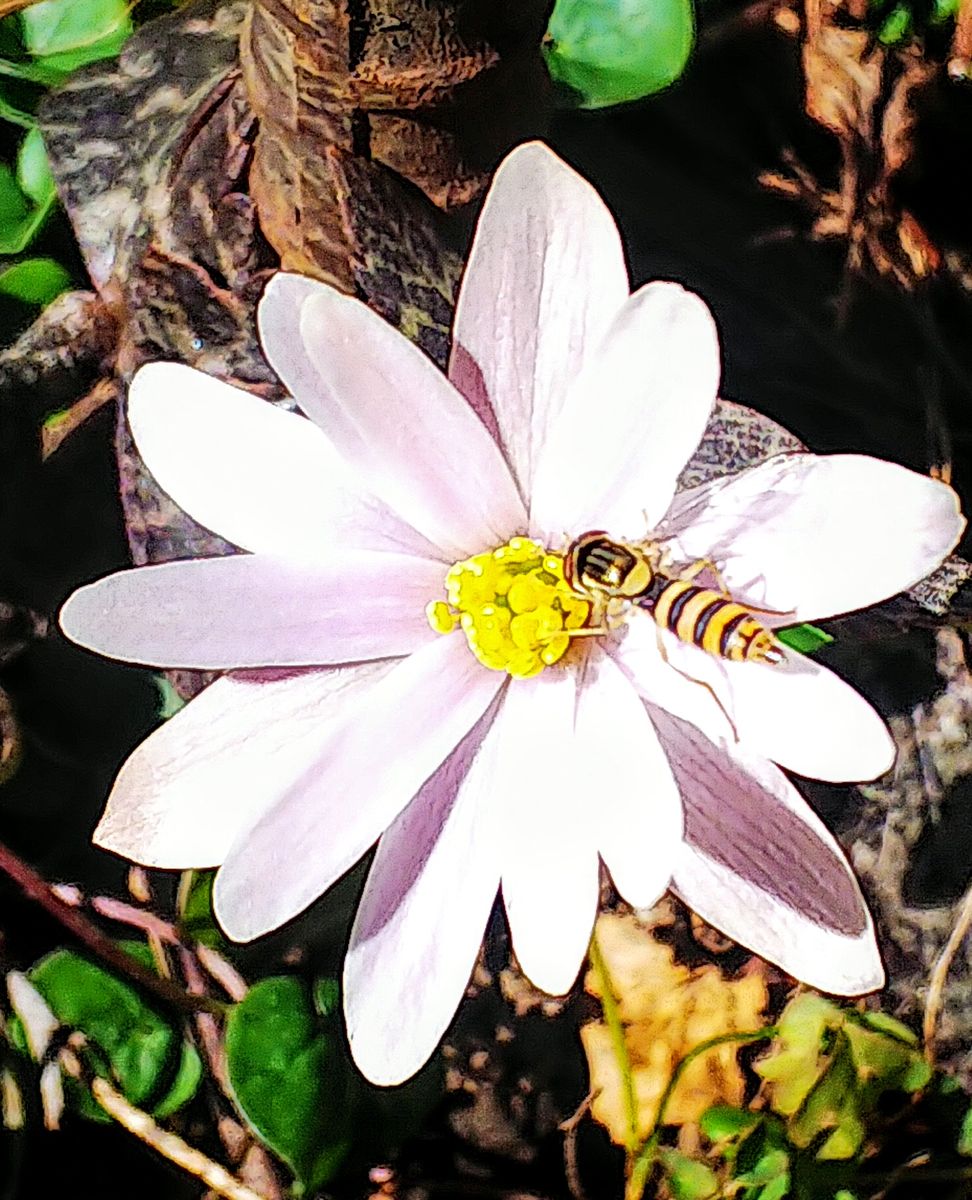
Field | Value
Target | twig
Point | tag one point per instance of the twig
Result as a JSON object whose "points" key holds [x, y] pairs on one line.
{"points": [[36, 888], [57, 430], [569, 1129], [936, 982], [612, 1019], [169, 1145]]}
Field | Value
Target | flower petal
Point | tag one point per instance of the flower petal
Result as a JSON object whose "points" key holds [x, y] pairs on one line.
{"points": [[620, 767], [264, 479], [812, 536], [254, 611], [199, 780], [631, 420], [549, 861], [420, 922], [639, 654], [796, 713], [545, 277], [398, 423], [372, 759], [759, 865]]}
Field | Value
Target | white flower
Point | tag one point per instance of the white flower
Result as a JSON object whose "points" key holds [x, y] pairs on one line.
{"points": [[588, 402]]}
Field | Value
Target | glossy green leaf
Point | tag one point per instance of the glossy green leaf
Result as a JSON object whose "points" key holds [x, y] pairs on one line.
{"points": [[25, 200], [327, 996], [13, 202], [16, 116], [770, 1173], [196, 919], [66, 34], [688, 1178], [34, 169], [722, 1123], [288, 1077], [613, 51], [35, 280], [804, 638], [186, 1083], [35, 72], [139, 1051]]}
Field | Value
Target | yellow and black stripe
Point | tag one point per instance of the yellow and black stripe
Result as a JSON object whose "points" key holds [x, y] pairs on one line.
{"points": [[713, 622]]}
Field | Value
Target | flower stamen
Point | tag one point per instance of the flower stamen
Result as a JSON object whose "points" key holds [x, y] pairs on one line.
{"points": [[514, 606]]}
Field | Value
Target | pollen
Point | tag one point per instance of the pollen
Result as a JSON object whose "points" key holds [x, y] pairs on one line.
{"points": [[514, 606]]}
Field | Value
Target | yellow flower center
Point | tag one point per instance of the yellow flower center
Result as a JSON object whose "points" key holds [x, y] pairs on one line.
{"points": [[513, 605]]}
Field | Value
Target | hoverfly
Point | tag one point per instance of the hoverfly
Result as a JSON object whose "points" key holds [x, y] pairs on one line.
{"points": [[614, 575]]}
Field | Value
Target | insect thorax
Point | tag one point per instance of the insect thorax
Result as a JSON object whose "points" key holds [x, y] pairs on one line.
{"points": [[599, 564]]}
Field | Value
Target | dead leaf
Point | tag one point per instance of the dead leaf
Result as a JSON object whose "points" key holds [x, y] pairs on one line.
{"points": [[667, 1009]]}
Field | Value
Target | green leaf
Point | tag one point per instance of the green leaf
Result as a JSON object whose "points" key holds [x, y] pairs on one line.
{"points": [[35, 280], [767, 1171], [613, 51], [16, 116], [142, 1054], [20, 221], [896, 26], [38, 72], [722, 1123], [196, 918], [34, 169], [66, 34], [689, 1179], [794, 1061], [327, 996], [288, 1077], [833, 1104], [186, 1083], [13, 203], [804, 638], [884, 1023], [169, 699], [965, 1136], [885, 1061], [944, 10]]}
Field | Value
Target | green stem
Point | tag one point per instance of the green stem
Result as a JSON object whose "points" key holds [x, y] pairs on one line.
{"points": [[612, 1019], [644, 1160]]}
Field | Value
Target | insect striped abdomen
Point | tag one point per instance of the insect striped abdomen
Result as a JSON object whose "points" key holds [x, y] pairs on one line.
{"points": [[704, 618]]}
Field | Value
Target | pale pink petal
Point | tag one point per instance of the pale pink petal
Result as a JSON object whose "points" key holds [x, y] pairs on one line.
{"points": [[370, 762], [619, 764], [264, 479], [549, 863], [631, 419], [811, 536], [638, 651], [759, 865], [796, 713], [255, 611], [186, 793], [399, 424], [545, 277], [420, 922]]}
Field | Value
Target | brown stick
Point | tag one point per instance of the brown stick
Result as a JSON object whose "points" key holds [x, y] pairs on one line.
{"points": [[36, 888]]}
